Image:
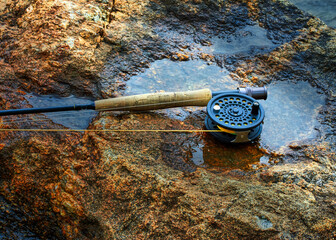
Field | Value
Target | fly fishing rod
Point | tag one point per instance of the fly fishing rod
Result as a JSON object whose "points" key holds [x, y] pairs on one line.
{"points": [[235, 113]]}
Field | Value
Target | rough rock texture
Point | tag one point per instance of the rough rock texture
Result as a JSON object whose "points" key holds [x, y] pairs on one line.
{"points": [[131, 185], [54, 46]]}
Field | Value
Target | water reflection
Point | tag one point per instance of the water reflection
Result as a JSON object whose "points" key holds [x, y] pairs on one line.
{"points": [[169, 76], [291, 114], [214, 155], [71, 119], [323, 9], [248, 40], [173, 76]]}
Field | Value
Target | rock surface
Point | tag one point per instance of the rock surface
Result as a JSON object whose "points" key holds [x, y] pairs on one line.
{"points": [[131, 185]]}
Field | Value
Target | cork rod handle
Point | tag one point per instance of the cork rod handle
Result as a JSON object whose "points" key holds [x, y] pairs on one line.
{"points": [[154, 101]]}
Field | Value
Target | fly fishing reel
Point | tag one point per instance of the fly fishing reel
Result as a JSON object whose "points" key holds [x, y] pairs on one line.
{"points": [[237, 116]]}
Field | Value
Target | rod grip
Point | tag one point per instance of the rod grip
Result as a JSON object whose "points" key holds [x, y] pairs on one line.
{"points": [[154, 101]]}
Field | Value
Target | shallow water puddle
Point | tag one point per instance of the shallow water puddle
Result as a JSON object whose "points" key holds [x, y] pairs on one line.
{"points": [[169, 76], [218, 156], [248, 40], [70, 119], [291, 114], [323, 9], [191, 75]]}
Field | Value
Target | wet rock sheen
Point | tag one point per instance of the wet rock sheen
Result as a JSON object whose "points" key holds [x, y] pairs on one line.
{"points": [[159, 185]]}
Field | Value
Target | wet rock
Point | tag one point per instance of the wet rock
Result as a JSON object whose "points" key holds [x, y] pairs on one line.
{"points": [[129, 184], [54, 45], [180, 57], [264, 223], [14, 222]]}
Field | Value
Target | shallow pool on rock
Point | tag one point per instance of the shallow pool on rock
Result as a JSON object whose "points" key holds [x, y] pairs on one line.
{"points": [[174, 76], [70, 119], [323, 9], [245, 41], [291, 114], [249, 40], [170, 76], [217, 156]]}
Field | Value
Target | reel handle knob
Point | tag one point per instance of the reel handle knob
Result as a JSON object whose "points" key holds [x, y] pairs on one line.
{"points": [[216, 109], [255, 108]]}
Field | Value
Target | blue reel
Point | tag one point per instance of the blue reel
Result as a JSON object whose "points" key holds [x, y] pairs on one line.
{"points": [[239, 117]]}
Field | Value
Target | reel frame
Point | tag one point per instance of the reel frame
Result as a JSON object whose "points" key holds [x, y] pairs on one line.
{"points": [[238, 116]]}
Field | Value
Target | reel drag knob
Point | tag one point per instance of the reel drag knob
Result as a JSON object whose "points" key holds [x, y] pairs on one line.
{"points": [[239, 117]]}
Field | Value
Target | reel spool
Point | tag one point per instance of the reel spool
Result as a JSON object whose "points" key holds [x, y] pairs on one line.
{"points": [[239, 117]]}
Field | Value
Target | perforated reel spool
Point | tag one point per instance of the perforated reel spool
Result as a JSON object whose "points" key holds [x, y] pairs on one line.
{"points": [[238, 116]]}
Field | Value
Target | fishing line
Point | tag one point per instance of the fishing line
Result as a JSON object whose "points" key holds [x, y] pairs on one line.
{"points": [[109, 130]]}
